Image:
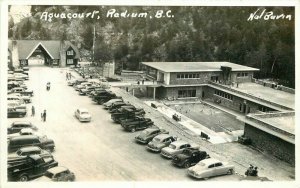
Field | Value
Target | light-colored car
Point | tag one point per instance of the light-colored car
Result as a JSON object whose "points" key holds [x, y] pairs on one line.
{"points": [[26, 131], [58, 173], [21, 76], [160, 141], [175, 148], [26, 151], [26, 99], [83, 114], [148, 134], [209, 168]]}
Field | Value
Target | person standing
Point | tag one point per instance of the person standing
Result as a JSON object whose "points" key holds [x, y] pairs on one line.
{"points": [[44, 116], [32, 111], [67, 76]]}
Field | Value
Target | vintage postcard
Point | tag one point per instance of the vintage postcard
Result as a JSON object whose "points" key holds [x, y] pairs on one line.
{"points": [[137, 94]]}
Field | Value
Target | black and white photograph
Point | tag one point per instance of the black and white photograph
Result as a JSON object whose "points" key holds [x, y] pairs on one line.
{"points": [[139, 92]]}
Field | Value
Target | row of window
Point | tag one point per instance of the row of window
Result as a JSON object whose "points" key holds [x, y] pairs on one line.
{"points": [[224, 94], [242, 74], [186, 93], [187, 76], [70, 52]]}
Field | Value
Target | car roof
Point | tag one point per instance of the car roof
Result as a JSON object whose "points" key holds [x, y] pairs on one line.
{"points": [[21, 122], [162, 136], [210, 161], [152, 129], [26, 130], [30, 148], [24, 137], [83, 110], [57, 169], [179, 142]]}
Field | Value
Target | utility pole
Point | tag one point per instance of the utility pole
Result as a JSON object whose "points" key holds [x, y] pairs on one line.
{"points": [[94, 38]]}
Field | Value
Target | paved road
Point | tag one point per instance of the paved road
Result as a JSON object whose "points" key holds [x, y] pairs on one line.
{"points": [[95, 151]]}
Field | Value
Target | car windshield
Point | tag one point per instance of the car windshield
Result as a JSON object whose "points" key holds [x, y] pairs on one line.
{"points": [[187, 152], [49, 175], [157, 139], [84, 113], [172, 146]]}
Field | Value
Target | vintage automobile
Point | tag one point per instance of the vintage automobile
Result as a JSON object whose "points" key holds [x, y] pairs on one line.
{"points": [[18, 142], [116, 105], [58, 173], [16, 126], [127, 112], [26, 151], [111, 101], [83, 115], [26, 131], [138, 123], [148, 134], [189, 157], [71, 82], [209, 168], [22, 91], [26, 99], [15, 113], [160, 141], [175, 148], [30, 167], [82, 85]]}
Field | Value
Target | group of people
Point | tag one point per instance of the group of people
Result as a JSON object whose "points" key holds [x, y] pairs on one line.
{"points": [[43, 114], [251, 171], [138, 82], [68, 76]]}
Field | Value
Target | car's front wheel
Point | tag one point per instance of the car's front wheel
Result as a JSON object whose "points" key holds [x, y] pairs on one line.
{"points": [[23, 177], [187, 164], [230, 171]]}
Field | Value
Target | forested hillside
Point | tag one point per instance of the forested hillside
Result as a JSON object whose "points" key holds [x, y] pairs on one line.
{"points": [[193, 34]]}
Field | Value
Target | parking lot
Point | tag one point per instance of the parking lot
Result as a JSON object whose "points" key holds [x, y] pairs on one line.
{"points": [[99, 150]]}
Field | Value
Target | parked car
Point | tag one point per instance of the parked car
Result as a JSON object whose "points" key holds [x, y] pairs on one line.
{"points": [[19, 97], [176, 147], [57, 174], [18, 125], [127, 112], [111, 101], [30, 167], [83, 114], [26, 131], [71, 82], [138, 123], [117, 105], [23, 152], [189, 157], [18, 142], [15, 113], [148, 134], [209, 168], [160, 141]]}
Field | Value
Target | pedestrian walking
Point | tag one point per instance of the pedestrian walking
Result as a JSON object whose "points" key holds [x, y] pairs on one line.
{"points": [[67, 76], [70, 76], [48, 86], [32, 111], [44, 116]]}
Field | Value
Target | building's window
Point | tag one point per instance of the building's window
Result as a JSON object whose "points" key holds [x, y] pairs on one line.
{"points": [[70, 52], [186, 93], [242, 74], [69, 61], [224, 95], [187, 76]]}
